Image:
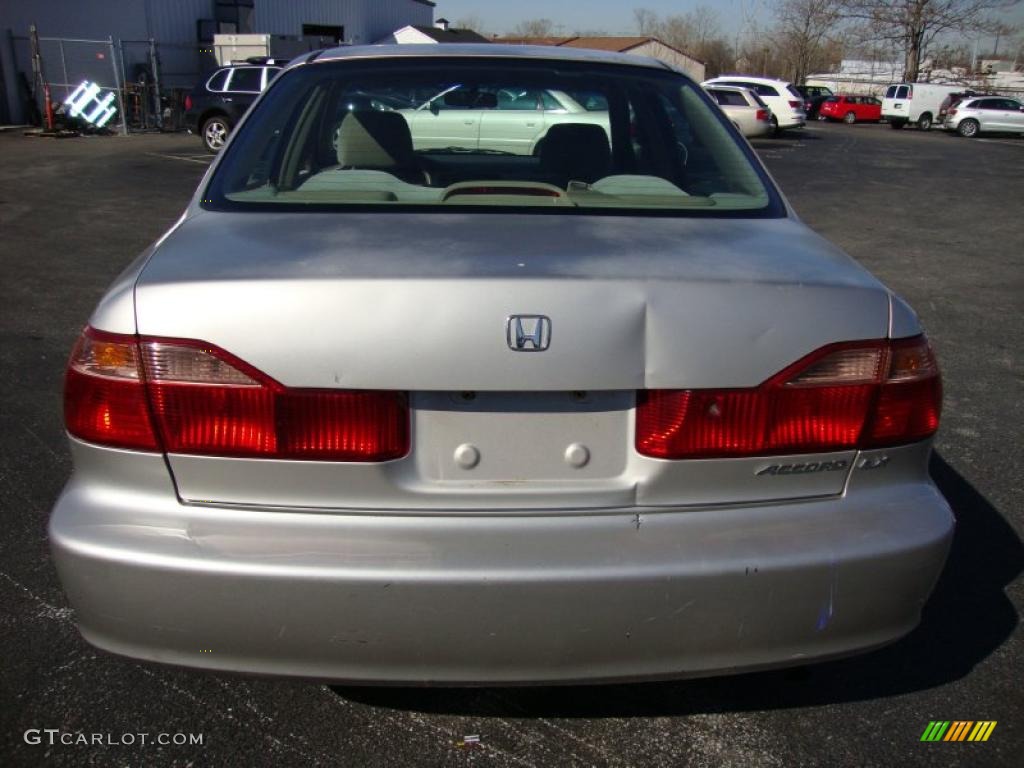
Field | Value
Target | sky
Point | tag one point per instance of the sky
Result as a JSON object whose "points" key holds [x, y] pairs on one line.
{"points": [[611, 16], [614, 16]]}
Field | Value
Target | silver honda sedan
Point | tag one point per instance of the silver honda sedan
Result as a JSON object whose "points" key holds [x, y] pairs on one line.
{"points": [[404, 405]]}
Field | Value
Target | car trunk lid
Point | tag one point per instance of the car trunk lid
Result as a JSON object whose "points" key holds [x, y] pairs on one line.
{"points": [[421, 303]]}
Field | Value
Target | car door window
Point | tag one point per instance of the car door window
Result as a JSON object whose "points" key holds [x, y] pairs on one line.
{"points": [[518, 100], [246, 80], [766, 90], [550, 103]]}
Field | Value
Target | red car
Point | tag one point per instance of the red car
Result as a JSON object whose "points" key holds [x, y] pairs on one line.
{"points": [[851, 109]]}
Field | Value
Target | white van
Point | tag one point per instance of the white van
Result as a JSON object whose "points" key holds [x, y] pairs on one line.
{"points": [[915, 103], [785, 101]]}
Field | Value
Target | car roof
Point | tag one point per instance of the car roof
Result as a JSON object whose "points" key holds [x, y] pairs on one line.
{"points": [[749, 78], [485, 50]]}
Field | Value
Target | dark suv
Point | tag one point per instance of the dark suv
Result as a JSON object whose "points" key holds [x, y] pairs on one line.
{"points": [[217, 104], [814, 97]]}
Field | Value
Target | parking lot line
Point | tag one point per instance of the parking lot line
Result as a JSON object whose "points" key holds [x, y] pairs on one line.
{"points": [[1004, 142], [186, 158]]}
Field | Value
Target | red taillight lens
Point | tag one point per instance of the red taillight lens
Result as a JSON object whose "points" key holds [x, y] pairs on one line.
{"points": [[104, 398], [910, 401], [795, 104], [951, 112], [188, 102], [844, 396], [762, 114], [205, 401]]}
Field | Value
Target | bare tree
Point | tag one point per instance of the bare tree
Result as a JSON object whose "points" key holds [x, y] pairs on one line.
{"points": [[1002, 31], [647, 21], [473, 22], [696, 33], [804, 31], [534, 28], [915, 26]]}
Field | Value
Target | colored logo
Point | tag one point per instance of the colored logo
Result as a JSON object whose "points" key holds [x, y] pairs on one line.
{"points": [[958, 730]]}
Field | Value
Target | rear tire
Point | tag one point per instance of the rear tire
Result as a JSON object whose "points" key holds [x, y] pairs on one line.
{"points": [[849, 118], [215, 132], [968, 128], [924, 122]]}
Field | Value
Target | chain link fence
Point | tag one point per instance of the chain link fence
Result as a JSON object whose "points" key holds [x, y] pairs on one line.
{"points": [[150, 79]]}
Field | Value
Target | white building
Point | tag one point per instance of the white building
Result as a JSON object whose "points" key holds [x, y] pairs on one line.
{"points": [[859, 77], [640, 46], [440, 32]]}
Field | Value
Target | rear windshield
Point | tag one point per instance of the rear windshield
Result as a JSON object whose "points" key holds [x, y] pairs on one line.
{"points": [[437, 133], [729, 98]]}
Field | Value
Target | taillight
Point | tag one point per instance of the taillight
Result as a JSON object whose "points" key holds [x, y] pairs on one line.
{"points": [[794, 104], [844, 396], [951, 112], [188, 102], [104, 398], [193, 398], [762, 114]]}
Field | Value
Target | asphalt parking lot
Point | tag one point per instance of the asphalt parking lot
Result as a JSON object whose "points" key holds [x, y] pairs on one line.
{"points": [[936, 217]]}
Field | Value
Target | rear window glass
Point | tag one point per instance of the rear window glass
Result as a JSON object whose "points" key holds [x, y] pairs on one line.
{"points": [[730, 98], [216, 83], [890, 92], [794, 92], [766, 90], [902, 92], [437, 133]]}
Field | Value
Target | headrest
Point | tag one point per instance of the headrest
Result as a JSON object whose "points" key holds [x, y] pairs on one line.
{"points": [[374, 139], [576, 151]]}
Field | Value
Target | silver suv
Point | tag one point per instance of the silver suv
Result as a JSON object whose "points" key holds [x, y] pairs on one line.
{"points": [[985, 114]]}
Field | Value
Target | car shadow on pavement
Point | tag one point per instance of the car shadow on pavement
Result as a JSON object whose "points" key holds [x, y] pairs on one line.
{"points": [[967, 618]]}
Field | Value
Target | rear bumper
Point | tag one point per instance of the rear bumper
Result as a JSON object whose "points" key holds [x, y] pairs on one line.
{"points": [[509, 598]]}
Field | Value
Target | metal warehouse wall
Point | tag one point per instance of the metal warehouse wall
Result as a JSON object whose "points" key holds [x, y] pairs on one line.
{"points": [[365, 21], [172, 23], [75, 18]]}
